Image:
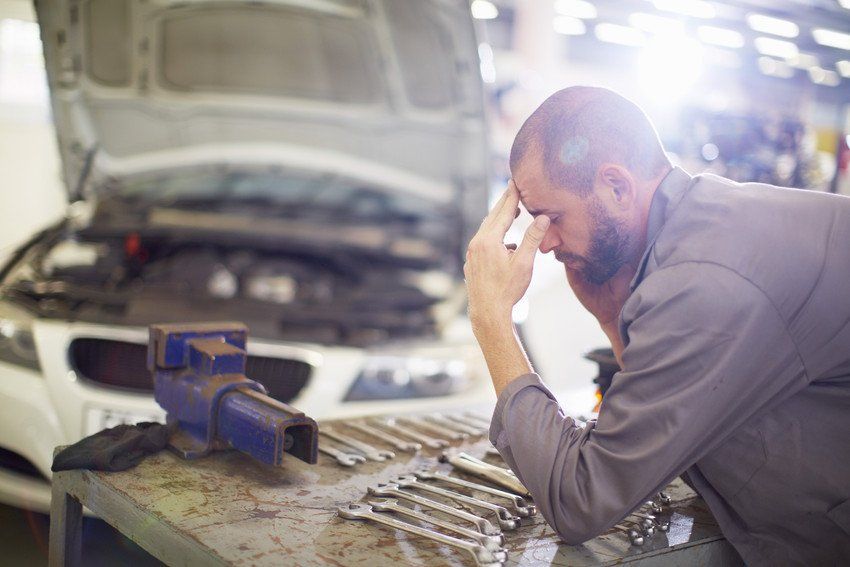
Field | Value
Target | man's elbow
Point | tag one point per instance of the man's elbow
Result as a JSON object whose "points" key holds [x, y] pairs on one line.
{"points": [[575, 531]]}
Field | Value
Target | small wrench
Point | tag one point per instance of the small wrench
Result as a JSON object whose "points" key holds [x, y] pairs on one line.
{"points": [[399, 444], [507, 521], [483, 524], [434, 428], [490, 543], [477, 426], [635, 537], [484, 558], [454, 425], [497, 475], [369, 451], [342, 458], [519, 503], [415, 435], [475, 417]]}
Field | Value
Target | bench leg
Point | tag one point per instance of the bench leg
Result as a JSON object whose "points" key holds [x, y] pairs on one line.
{"points": [[66, 517]]}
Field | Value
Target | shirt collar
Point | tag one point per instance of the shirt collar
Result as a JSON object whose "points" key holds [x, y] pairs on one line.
{"points": [[668, 194]]}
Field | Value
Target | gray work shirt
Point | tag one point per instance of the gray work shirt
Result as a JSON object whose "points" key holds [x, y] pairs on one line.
{"points": [[736, 371]]}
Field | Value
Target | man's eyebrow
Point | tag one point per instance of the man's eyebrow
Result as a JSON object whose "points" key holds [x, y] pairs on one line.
{"points": [[538, 212]]}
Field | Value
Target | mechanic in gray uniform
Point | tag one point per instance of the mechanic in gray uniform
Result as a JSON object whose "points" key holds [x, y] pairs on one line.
{"points": [[728, 308]]}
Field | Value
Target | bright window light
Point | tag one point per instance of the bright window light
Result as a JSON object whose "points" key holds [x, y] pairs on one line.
{"points": [[568, 25], [843, 68], [484, 10], [623, 35], [669, 67], [720, 36], [658, 25], [721, 58], [832, 38], [804, 61], [776, 47], [775, 68], [823, 77], [844, 3], [575, 8], [23, 79], [693, 8], [773, 26], [488, 69]]}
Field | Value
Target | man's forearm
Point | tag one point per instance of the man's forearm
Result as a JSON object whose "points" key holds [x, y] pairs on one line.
{"points": [[506, 359]]}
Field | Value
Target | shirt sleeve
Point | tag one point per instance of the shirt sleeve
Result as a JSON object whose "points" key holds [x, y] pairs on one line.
{"points": [[706, 350]]}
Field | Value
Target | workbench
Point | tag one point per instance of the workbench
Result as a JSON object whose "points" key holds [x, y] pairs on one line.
{"points": [[227, 509]]}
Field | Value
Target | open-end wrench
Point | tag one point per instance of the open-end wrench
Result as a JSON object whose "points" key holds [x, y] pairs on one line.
{"points": [[522, 507], [472, 426], [453, 425], [635, 537], [370, 452], [483, 557], [497, 475], [399, 444], [664, 498], [660, 525], [490, 543], [507, 521], [411, 434], [342, 458], [483, 524], [485, 421], [434, 428]]}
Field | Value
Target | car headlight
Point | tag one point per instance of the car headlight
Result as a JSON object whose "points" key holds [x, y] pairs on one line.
{"points": [[396, 377], [17, 345]]}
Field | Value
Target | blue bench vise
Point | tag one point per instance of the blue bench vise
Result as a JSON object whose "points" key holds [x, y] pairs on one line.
{"points": [[199, 379]]}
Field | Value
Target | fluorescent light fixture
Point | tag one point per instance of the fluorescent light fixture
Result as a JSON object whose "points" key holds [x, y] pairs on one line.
{"points": [[823, 77], [844, 3], [776, 47], [832, 38], [804, 61], [575, 8], [623, 35], [567, 25], [773, 26], [775, 68], [656, 24], [484, 10], [722, 58], [843, 67], [670, 67], [486, 66], [720, 36], [693, 8]]}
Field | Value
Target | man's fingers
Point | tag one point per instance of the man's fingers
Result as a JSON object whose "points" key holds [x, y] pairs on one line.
{"points": [[500, 215], [533, 237], [510, 246]]}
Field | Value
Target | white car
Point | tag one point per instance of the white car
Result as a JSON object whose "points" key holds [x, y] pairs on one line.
{"points": [[312, 168]]}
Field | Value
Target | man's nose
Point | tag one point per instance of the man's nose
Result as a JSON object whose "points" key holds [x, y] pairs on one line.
{"points": [[550, 241]]}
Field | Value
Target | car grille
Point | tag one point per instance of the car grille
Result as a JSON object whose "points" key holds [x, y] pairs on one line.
{"points": [[119, 364]]}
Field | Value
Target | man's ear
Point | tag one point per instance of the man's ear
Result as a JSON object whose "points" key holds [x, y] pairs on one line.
{"points": [[617, 184]]}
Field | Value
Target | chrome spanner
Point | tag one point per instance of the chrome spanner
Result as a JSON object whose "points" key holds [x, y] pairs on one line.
{"points": [[411, 434], [369, 451], [342, 458], [507, 521], [519, 503], [399, 444], [490, 543], [497, 475], [451, 424], [434, 428], [483, 557], [475, 417], [477, 426], [483, 524]]}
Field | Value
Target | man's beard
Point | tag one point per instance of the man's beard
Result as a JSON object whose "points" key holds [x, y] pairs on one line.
{"points": [[608, 251]]}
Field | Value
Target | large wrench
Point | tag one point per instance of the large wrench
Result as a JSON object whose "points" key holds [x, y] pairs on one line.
{"points": [[434, 428], [369, 451], [483, 557], [519, 503], [342, 458], [415, 435], [507, 521], [490, 543], [497, 475], [483, 524], [399, 444], [479, 428], [454, 425]]}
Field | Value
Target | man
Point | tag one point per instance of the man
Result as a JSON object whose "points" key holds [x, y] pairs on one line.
{"points": [[728, 308]]}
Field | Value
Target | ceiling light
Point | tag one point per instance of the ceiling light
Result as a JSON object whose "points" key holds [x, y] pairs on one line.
{"points": [[776, 47], [823, 77], [832, 38], [804, 61], [656, 24], [722, 58], [484, 10], [576, 9], [844, 3], [623, 35], [693, 8], [568, 25], [843, 67], [775, 68], [775, 26], [720, 36]]}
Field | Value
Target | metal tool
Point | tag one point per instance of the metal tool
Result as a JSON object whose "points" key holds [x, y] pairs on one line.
{"points": [[497, 475], [507, 521], [199, 379], [635, 537], [664, 498], [342, 458], [522, 507], [483, 557], [490, 543], [660, 525], [655, 507], [445, 421], [399, 444], [369, 451], [485, 421], [434, 428], [411, 434], [483, 524], [475, 425]]}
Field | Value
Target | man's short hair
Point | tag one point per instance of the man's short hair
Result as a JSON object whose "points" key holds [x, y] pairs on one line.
{"points": [[577, 129]]}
